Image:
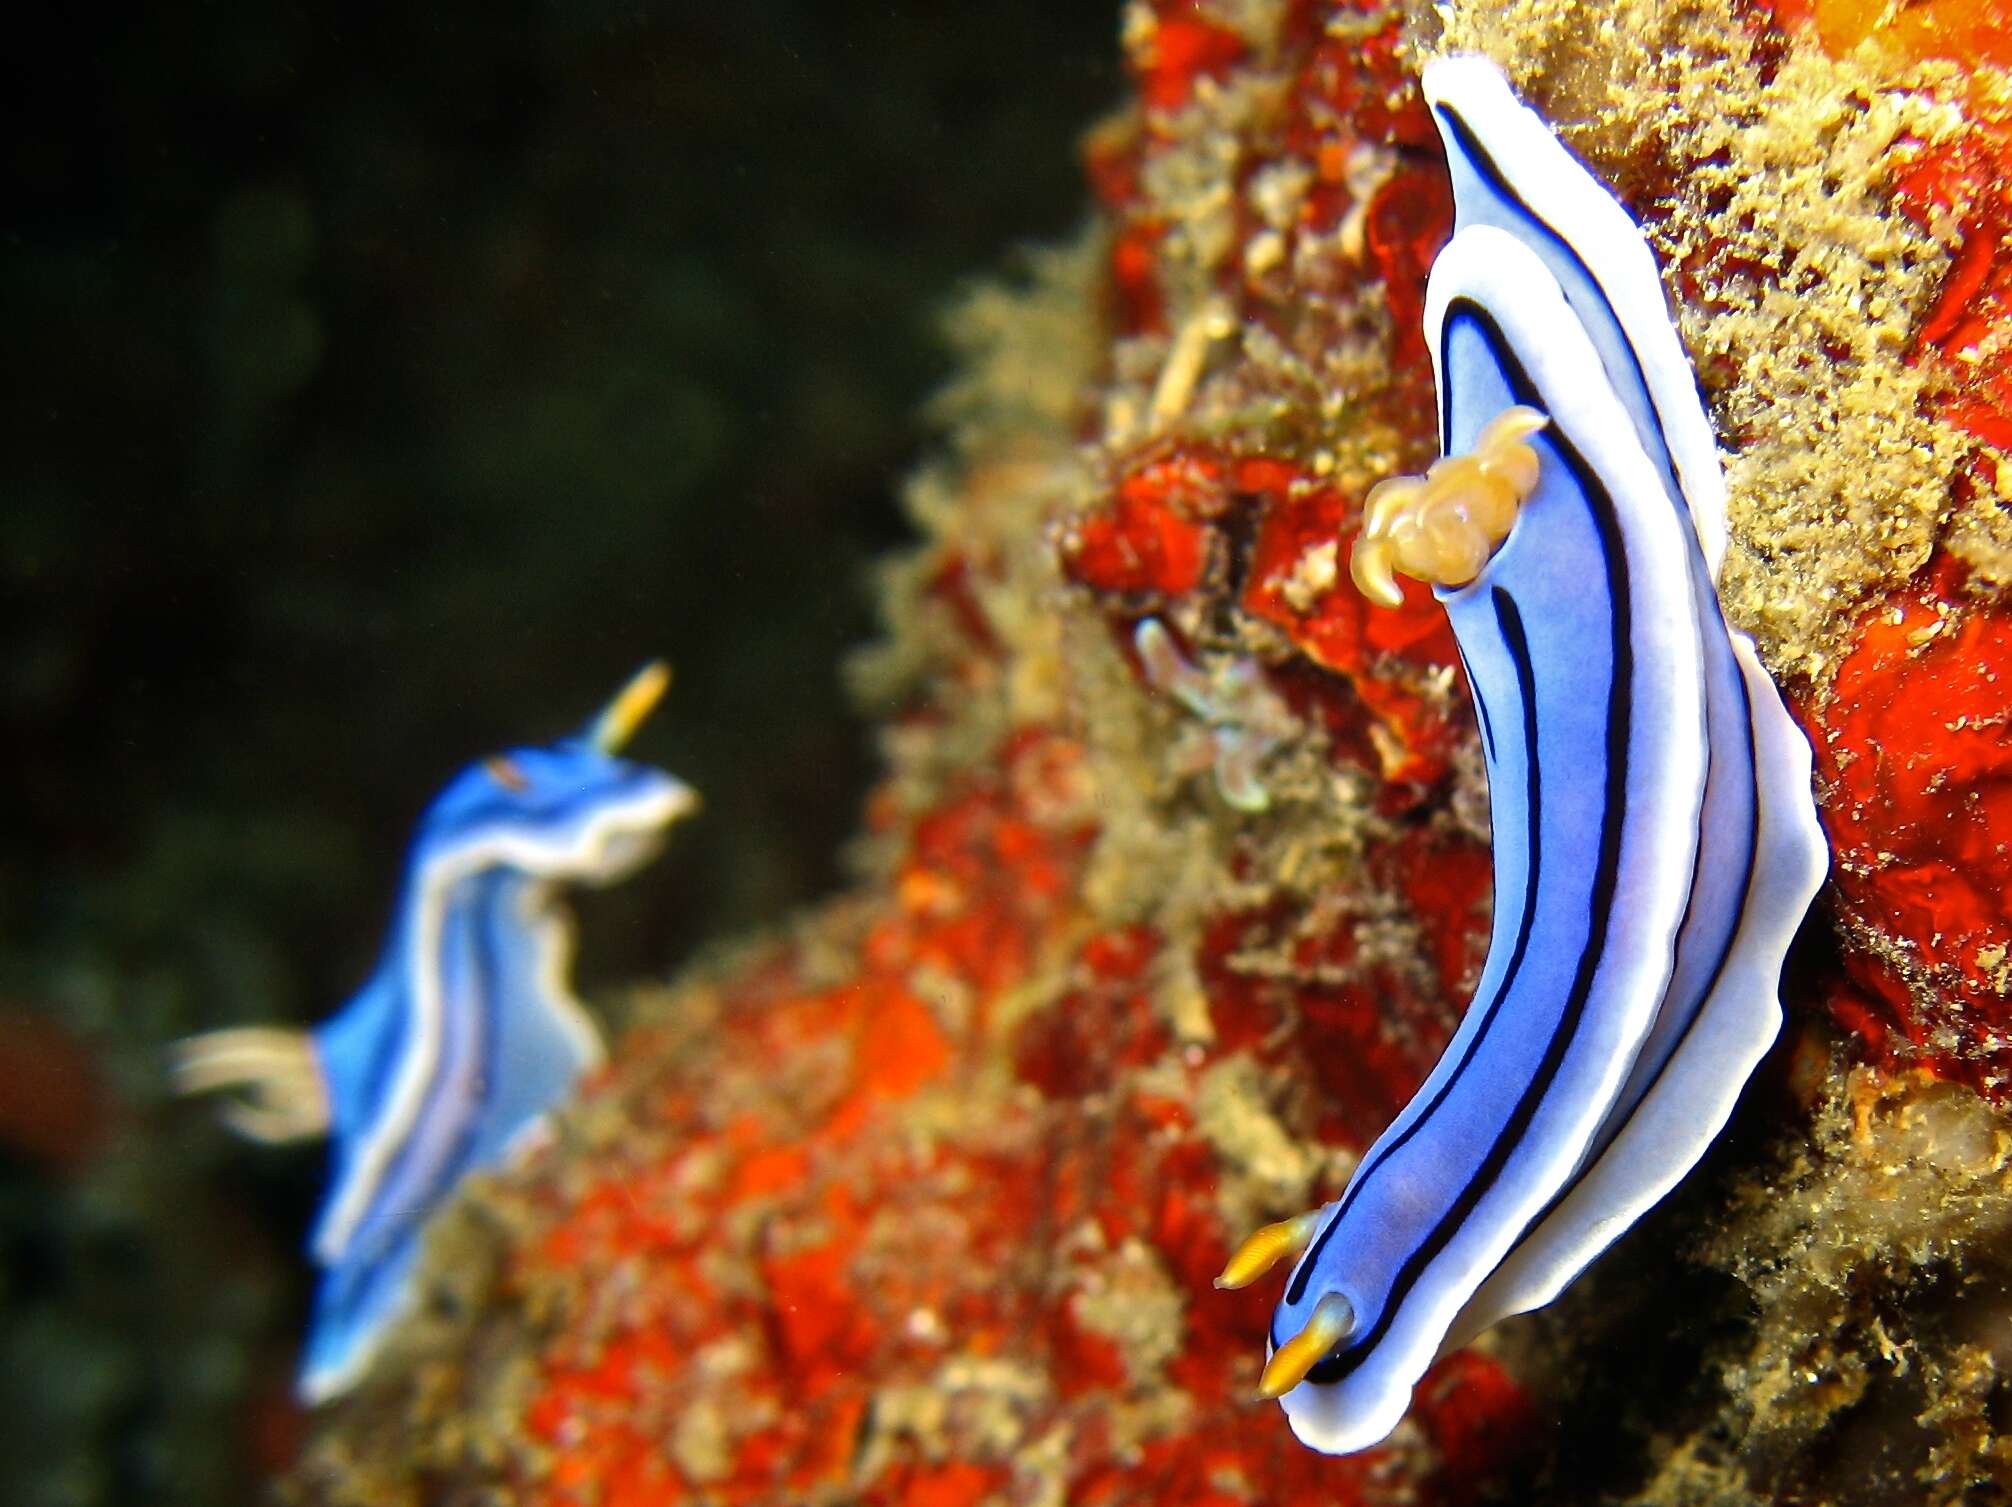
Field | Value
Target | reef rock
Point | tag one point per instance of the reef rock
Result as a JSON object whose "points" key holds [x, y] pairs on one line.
{"points": [[918, 1200]]}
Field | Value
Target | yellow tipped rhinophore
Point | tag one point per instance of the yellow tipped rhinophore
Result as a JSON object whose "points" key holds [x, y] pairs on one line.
{"points": [[632, 704], [1266, 1247], [1333, 1317], [1442, 527]]}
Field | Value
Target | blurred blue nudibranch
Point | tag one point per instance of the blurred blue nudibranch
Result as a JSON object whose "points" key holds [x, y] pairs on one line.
{"points": [[467, 1033], [1656, 840]]}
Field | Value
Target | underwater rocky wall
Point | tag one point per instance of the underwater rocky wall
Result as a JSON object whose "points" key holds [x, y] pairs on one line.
{"points": [[917, 1200]]}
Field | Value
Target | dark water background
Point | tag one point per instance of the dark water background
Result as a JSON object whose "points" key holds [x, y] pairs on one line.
{"points": [[384, 384]]}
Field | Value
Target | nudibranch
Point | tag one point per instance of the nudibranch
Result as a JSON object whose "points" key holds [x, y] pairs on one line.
{"points": [[1655, 837], [467, 1033]]}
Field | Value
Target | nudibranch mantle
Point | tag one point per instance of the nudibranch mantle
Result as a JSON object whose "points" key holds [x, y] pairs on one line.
{"points": [[467, 1033], [1656, 843]]}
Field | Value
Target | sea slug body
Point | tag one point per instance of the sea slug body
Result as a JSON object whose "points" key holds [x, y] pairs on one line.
{"points": [[1655, 837], [449, 1058]]}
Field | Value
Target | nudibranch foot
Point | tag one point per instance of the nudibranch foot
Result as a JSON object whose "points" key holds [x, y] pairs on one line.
{"points": [[1442, 527], [1265, 1247], [282, 1096]]}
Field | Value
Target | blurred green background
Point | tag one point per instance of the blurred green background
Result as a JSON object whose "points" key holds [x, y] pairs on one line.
{"points": [[385, 384]]}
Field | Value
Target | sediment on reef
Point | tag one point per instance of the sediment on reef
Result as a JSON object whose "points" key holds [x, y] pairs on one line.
{"points": [[918, 1199]]}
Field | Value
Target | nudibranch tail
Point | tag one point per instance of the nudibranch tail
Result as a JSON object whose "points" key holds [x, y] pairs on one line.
{"points": [[1511, 172], [1442, 527], [1264, 1248]]}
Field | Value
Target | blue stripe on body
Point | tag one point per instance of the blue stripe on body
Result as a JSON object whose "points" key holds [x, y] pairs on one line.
{"points": [[1519, 858], [422, 1167], [364, 1291], [357, 1048], [505, 1060], [1728, 829], [536, 1062], [1562, 625], [1729, 818], [355, 1303]]}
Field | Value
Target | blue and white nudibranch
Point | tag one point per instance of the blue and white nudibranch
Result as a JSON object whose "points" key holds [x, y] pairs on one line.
{"points": [[1656, 841], [467, 1033]]}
